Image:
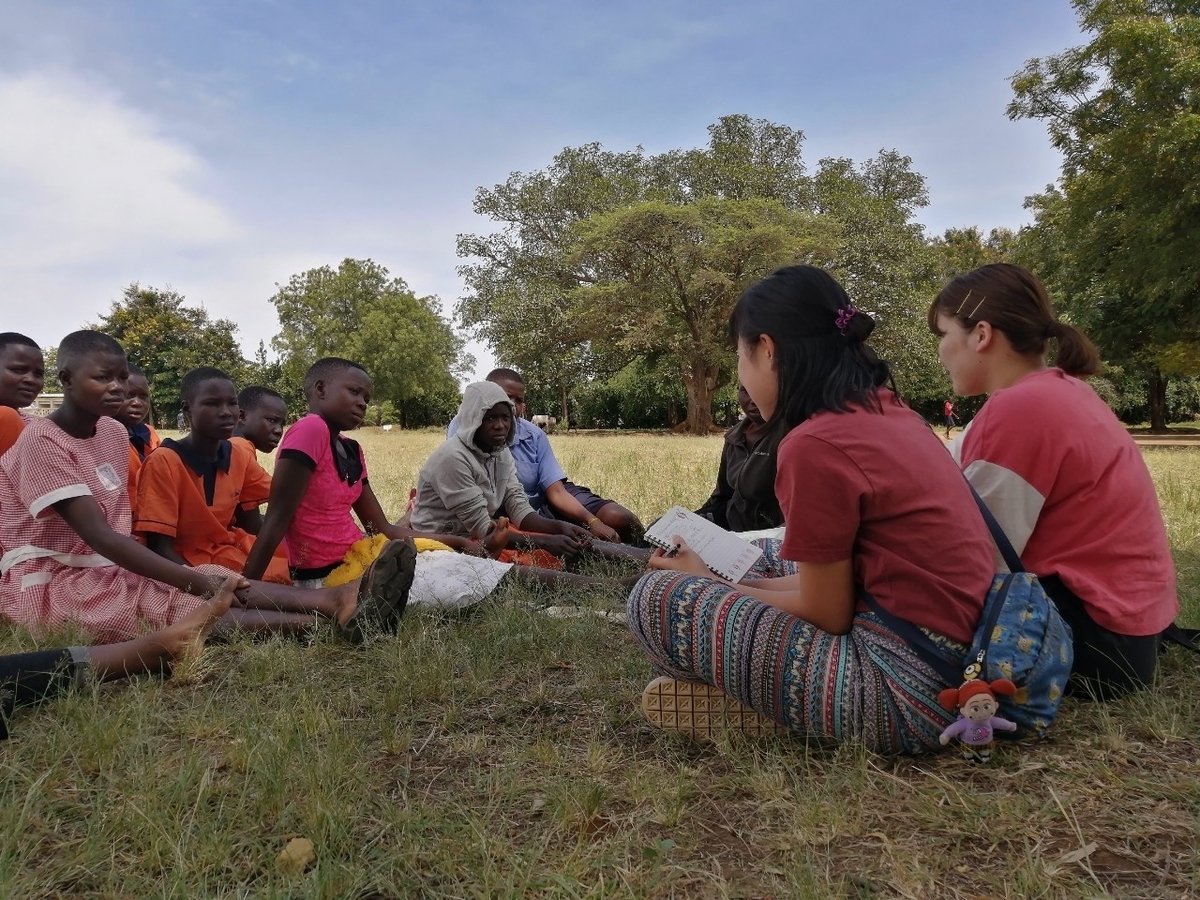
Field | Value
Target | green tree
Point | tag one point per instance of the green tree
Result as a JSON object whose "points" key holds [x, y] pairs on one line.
{"points": [[608, 256], [1124, 110], [663, 278], [960, 250], [168, 338], [359, 312], [52, 385]]}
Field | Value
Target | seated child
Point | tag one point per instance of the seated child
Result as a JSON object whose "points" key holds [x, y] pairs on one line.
{"points": [[547, 488], [262, 414], [471, 480], [22, 376], [320, 485], [744, 498], [70, 561], [143, 439], [198, 497]]}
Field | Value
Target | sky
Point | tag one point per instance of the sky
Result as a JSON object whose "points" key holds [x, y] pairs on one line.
{"points": [[219, 148]]}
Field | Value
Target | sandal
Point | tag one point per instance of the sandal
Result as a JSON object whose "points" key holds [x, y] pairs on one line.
{"points": [[382, 592]]}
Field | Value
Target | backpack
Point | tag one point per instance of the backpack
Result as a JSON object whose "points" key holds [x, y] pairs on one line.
{"points": [[1021, 636]]}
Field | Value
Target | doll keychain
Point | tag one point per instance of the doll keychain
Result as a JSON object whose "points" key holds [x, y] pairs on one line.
{"points": [[977, 721]]}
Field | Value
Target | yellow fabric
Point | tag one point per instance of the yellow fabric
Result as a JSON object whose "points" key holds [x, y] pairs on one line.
{"points": [[424, 544], [363, 552], [360, 555]]}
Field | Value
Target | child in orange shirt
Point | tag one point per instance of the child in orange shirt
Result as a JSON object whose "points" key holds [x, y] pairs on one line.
{"points": [[198, 497], [22, 377], [262, 414], [143, 439]]}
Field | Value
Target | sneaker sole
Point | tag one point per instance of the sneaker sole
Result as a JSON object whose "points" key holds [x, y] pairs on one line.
{"points": [[702, 711]]}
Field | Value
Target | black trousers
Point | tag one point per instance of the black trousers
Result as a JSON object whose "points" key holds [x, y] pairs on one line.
{"points": [[28, 678], [1107, 664]]}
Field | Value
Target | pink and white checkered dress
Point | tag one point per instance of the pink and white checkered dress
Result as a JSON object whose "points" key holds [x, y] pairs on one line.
{"points": [[50, 577]]}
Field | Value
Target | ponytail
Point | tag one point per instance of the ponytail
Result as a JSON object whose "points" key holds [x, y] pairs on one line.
{"points": [[1076, 355]]}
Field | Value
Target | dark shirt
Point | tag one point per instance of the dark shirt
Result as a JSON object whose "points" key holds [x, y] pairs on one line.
{"points": [[744, 498]]}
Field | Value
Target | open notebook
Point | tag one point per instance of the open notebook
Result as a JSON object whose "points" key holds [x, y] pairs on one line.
{"points": [[722, 551]]}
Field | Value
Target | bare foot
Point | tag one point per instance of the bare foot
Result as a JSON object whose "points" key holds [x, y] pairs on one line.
{"points": [[190, 632], [346, 599], [495, 542]]}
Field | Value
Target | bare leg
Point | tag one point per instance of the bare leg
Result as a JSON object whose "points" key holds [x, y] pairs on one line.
{"points": [[154, 652], [266, 620], [336, 603], [622, 521], [533, 575], [623, 552]]}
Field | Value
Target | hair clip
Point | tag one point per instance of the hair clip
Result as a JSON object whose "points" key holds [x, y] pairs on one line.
{"points": [[971, 314], [845, 314]]}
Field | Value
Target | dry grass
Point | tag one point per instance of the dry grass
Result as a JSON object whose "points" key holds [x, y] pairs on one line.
{"points": [[499, 753]]}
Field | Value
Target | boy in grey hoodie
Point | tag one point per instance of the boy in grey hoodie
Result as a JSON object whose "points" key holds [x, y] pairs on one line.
{"points": [[469, 485]]}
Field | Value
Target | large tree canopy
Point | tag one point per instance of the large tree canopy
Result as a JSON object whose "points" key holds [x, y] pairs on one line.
{"points": [[168, 339], [359, 312], [1123, 223], [604, 257]]}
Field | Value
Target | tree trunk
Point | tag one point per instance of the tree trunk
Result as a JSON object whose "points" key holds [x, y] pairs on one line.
{"points": [[565, 420], [1158, 402], [672, 413], [700, 379]]}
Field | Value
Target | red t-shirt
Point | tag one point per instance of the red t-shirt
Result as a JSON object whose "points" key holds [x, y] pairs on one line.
{"points": [[1072, 492], [880, 488]]}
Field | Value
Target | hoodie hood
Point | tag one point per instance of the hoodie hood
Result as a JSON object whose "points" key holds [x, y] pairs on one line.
{"points": [[478, 398]]}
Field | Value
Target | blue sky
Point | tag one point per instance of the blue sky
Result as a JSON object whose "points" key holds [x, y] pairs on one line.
{"points": [[221, 147]]}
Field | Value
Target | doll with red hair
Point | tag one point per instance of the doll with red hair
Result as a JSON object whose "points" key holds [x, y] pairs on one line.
{"points": [[977, 721]]}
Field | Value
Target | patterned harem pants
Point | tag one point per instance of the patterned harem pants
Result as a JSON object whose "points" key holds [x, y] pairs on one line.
{"points": [[867, 685]]}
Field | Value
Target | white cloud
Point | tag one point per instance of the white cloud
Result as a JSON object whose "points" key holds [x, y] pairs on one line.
{"points": [[83, 177]]}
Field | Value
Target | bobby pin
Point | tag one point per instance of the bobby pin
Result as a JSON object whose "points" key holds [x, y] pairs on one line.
{"points": [[971, 314]]}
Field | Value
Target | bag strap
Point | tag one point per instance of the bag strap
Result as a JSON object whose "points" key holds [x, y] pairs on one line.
{"points": [[1011, 558], [950, 671]]}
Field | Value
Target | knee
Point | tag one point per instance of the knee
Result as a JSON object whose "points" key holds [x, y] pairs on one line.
{"points": [[621, 520]]}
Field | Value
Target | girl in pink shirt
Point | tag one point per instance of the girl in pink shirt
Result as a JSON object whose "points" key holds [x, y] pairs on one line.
{"points": [[1059, 471]]}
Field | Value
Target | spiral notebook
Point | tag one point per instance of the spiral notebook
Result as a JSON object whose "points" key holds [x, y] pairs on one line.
{"points": [[722, 551]]}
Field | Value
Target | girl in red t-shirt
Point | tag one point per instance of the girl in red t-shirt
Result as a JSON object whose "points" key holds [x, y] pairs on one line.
{"points": [[869, 497], [1061, 474]]}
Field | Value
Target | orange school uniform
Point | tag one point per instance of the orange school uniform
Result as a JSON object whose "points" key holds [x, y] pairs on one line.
{"points": [[194, 501], [137, 458], [12, 423]]}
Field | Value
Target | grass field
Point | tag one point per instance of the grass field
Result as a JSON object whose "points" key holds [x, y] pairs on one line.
{"points": [[500, 753]]}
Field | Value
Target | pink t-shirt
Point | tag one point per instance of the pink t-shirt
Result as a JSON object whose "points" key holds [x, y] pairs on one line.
{"points": [[880, 489], [324, 526], [1072, 492]]}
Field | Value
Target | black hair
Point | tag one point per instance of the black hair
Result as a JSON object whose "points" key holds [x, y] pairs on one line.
{"points": [[252, 397], [193, 379], [822, 364], [137, 370], [503, 374], [12, 338], [78, 345], [326, 367]]}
